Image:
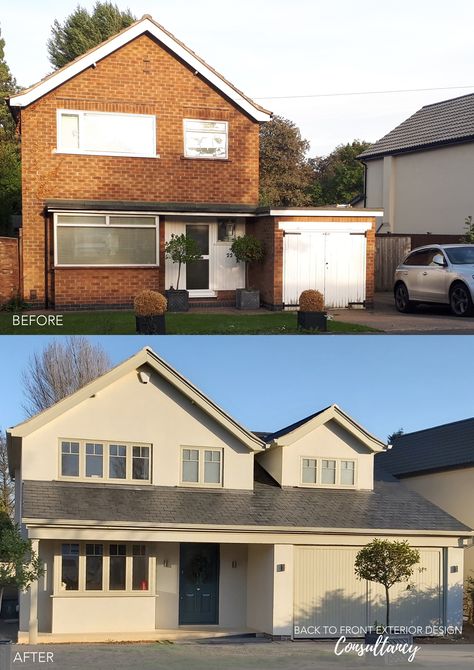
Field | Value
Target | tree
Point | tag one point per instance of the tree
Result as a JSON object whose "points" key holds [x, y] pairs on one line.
{"points": [[386, 562], [393, 436], [285, 176], [468, 237], [62, 367], [339, 177], [82, 31], [20, 566], [6, 484], [182, 250], [10, 166], [247, 249]]}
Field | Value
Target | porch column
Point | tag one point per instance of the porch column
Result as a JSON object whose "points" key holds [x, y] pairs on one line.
{"points": [[454, 586], [33, 621], [283, 590]]}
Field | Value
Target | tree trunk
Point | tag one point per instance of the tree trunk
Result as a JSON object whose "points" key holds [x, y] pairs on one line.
{"points": [[179, 272], [246, 276], [387, 599]]}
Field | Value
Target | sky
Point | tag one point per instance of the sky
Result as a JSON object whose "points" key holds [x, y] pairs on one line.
{"points": [[274, 48], [383, 382]]}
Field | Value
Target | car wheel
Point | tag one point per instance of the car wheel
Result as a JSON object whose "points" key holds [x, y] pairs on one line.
{"points": [[402, 299], [460, 300]]}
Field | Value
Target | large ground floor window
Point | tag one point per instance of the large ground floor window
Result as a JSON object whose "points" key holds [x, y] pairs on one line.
{"points": [[91, 239], [104, 567]]}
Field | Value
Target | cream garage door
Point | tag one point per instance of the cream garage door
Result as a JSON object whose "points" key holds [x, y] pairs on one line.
{"points": [[328, 595], [332, 261]]}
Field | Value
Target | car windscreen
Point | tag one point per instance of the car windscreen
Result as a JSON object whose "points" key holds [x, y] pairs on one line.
{"points": [[461, 255]]}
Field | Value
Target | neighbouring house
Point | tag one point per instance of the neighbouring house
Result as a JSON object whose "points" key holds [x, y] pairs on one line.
{"points": [[138, 139], [438, 463], [420, 172], [156, 513]]}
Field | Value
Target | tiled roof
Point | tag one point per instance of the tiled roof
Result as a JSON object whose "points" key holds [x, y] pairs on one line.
{"points": [[446, 122], [439, 448], [389, 506]]}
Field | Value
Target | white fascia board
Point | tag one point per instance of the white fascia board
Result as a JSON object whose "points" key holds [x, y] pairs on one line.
{"points": [[24, 99], [325, 226], [355, 213]]}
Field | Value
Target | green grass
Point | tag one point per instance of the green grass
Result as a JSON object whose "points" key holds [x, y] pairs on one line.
{"points": [[123, 323]]}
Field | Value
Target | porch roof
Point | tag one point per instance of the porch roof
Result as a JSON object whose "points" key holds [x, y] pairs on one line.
{"points": [[389, 506]]}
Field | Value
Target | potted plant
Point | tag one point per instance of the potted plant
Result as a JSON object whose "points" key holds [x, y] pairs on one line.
{"points": [[386, 562], [182, 250], [247, 249], [311, 313], [150, 307]]}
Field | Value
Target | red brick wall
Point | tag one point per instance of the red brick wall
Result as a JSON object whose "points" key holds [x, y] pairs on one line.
{"points": [[268, 276], [9, 268], [141, 77]]}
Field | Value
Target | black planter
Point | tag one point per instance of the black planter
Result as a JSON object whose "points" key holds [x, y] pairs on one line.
{"points": [[151, 325], [247, 298], [313, 321], [178, 300]]}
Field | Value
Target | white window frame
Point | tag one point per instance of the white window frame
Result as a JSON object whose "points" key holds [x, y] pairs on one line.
{"points": [[105, 461], [80, 113], [206, 158], [107, 224], [201, 483], [81, 591], [319, 460]]}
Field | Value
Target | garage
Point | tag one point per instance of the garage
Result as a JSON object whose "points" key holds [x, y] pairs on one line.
{"points": [[328, 257], [327, 593]]}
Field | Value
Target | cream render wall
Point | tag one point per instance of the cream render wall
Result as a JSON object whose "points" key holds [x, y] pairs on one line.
{"points": [[329, 440], [430, 191], [260, 588], [130, 411], [453, 491]]}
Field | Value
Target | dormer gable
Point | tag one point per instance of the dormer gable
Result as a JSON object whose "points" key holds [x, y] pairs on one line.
{"points": [[326, 450]]}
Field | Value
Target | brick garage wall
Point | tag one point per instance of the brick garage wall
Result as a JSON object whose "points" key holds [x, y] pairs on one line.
{"points": [[268, 277], [141, 77], [9, 268]]}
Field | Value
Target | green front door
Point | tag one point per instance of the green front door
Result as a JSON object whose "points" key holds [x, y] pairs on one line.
{"points": [[199, 584]]}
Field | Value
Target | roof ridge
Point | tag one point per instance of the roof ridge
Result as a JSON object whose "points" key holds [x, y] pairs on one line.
{"points": [[442, 102]]}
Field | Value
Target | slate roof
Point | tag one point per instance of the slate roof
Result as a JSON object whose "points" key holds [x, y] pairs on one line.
{"points": [[440, 448], [389, 506], [447, 122]]}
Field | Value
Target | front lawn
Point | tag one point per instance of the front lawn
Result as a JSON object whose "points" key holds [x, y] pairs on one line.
{"points": [[123, 323]]}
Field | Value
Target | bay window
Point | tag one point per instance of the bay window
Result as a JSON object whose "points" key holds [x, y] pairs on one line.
{"points": [[102, 240], [94, 566]]}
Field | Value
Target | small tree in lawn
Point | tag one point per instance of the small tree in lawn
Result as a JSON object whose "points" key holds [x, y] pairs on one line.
{"points": [[247, 249], [20, 566], [182, 250], [386, 562]]}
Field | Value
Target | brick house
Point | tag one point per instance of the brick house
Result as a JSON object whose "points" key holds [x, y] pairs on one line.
{"points": [[138, 139]]}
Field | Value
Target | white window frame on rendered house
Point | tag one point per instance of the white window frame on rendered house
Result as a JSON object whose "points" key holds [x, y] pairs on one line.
{"points": [[81, 115], [103, 221]]}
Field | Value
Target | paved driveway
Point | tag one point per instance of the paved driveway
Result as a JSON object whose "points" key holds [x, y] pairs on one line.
{"points": [[425, 320], [304, 655]]}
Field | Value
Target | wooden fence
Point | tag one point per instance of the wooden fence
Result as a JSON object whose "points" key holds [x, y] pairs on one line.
{"points": [[389, 251]]}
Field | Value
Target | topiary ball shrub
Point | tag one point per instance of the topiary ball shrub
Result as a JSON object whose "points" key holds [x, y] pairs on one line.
{"points": [[311, 301], [150, 307]]}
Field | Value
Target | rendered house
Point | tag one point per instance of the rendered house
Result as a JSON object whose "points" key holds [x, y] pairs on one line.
{"points": [[420, 172], [154, 512], [140, 138], [438, 463]]}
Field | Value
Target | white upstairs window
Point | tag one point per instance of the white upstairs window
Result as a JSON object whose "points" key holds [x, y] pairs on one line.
{"points": [[106, 134], [205, 139]]}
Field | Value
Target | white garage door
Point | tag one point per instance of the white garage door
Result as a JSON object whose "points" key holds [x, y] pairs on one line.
{"points": [[327, 593], [333, 262]]}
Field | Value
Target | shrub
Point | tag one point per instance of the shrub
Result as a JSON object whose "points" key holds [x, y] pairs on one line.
{"points": [[182, 250], [149, 303], [311, 301], [14, 304]]}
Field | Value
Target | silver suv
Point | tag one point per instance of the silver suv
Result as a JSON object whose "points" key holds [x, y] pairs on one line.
{"points": [[438, 273]]}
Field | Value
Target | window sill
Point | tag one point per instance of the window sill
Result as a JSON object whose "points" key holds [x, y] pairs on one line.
{"points": [[201, 158], [102, 153], [103, 594], [105, 267]]}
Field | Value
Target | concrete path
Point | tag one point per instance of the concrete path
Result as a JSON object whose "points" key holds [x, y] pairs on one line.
{"points": [[436, 320]]}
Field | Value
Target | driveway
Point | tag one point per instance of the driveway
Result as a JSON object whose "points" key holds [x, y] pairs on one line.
{"points": [[259, 654], [436, 320]]}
